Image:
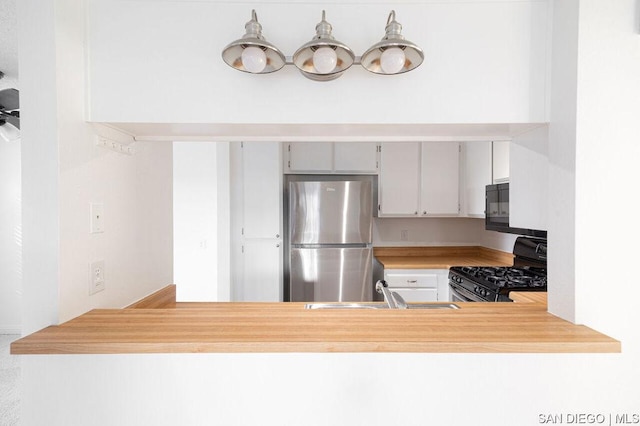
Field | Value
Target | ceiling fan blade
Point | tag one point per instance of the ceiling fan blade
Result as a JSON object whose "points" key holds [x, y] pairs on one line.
{"points": [[9, 99], [12, 120]]}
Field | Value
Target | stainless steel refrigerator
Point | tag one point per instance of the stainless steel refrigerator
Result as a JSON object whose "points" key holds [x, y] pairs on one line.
{"points": [[330, 256]]}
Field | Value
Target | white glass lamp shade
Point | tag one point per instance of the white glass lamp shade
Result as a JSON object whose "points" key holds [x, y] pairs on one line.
{"points": [[325, 60], [254, 59], [252, 53], [392, 60], [393, 54]]}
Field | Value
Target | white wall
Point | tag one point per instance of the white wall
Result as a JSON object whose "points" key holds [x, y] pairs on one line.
{"points": [[485, 62], [40, 166], [195, 221], [562, 158], [439, 232], [64, 171], [607, 153], [326, 389], [201, 221], [10, 238], [137, 243]]}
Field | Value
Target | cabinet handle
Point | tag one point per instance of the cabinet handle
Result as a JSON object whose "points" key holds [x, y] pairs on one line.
{"points": [[424, 212], [277, 245], [277, 235], [412, 281], [415, 212]]}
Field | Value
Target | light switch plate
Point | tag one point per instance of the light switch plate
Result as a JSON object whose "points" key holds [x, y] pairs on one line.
{"points": [[97, 217], [96, 277]]}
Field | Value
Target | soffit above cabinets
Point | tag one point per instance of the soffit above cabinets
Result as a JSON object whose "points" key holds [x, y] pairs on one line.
{"points": [[322, 132]]}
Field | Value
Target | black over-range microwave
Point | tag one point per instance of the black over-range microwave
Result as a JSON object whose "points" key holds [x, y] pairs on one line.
{"points": [[497, 212]]}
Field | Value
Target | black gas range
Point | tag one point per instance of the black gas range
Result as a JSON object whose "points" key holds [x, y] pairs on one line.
{"points": [[493, 284]]}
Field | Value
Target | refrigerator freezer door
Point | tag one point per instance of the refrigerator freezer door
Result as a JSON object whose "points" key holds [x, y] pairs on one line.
{"points": [[330, 212], [331, 274]]}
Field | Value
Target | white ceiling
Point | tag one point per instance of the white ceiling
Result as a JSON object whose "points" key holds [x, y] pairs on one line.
{"points": [[8, 44]]}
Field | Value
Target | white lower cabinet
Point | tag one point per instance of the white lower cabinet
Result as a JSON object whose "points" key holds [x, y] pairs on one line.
{"points": [[261, 272], [419, 285]]}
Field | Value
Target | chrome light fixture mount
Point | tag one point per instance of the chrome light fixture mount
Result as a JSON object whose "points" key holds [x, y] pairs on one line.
{"points": [[393, 54], [252, 53], [323, 58]]}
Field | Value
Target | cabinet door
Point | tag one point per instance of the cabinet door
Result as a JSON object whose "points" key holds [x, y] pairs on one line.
{"points": [[477, 177], [310, 157], [397, 278], [417, 295], [500, 161], [444, 294], [528, 187], [261, 272], [415, 285], [399, 178], [355, 157], [440, 178], [262, 189]]}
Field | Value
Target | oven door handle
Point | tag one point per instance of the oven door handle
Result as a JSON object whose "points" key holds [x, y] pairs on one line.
{"points": [[464, 294]]}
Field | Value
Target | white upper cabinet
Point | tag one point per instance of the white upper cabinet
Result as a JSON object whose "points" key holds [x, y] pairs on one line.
{"points": [[477, 175], [419, 179], [262, 189], [331, 157], [310, 157], [439, 194], [399, 182], [500, 168], [355, 157], [529, 183]]}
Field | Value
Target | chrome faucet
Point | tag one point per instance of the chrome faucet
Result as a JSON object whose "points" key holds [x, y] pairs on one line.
{"points": [[393, 299]]}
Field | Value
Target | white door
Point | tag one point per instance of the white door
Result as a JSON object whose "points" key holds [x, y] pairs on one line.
{"points": [[310, 157], [261, 272], [262, 189], [440, 182], [355, 157], [399, 178]]}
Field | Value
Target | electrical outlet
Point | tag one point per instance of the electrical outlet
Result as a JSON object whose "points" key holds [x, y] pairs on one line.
{"points": [[96, 277], [404, 235], [97, 217]]}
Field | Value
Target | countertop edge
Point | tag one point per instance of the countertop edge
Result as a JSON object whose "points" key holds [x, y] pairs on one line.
{"points": [[318, 347]]}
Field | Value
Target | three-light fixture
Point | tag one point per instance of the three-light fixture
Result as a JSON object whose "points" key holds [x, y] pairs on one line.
{"points": [[323, 58]]}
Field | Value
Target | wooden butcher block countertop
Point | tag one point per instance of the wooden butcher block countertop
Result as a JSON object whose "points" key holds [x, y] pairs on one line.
{"points": [[440, 257], [288, 327]]}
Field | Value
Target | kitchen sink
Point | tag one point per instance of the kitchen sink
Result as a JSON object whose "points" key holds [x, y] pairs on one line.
{"points": [[377, 305]]}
